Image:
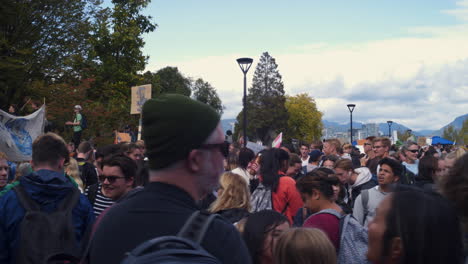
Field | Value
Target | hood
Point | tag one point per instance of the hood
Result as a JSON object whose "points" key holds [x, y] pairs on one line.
{"points": [[364, 175], [46, 186]]}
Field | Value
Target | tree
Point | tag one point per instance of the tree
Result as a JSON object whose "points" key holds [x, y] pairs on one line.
{"points": [[403, 136], [41, 40], [266, 111], [463, 134], [205, 93], [305, 121], [451, 134], [168, 80]]}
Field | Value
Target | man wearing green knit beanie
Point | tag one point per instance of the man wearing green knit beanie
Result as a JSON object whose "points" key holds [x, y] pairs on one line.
{"points": [[186, 150]]}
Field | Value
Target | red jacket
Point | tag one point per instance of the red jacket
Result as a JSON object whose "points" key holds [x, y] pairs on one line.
{"points": [[287, 196]]}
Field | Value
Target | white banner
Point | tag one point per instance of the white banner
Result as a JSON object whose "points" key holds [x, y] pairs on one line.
{"points": [[17, 133]]}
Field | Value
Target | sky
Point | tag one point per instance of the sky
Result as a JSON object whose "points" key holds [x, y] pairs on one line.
{"points": [[405, 61]]}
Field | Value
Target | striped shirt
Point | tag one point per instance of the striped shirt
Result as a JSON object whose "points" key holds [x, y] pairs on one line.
{"points": [[101, 203]]}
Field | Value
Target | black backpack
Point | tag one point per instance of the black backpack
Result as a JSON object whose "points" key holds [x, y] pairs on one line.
{"points": [[183, 248], [44, 236], [84, 122]]}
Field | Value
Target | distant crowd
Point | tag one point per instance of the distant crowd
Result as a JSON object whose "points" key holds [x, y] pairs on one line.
{"points": [[194, 196]]}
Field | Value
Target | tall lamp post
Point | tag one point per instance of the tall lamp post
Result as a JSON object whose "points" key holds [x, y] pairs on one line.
{"points": [[390, 123], [244, 64], [351, 109]]}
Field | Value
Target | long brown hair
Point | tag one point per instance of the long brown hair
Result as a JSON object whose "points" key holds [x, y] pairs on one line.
{"points": [[235, 193]]}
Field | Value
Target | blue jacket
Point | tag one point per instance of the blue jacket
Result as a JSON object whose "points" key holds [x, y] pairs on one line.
{"points": [[47, 188]]}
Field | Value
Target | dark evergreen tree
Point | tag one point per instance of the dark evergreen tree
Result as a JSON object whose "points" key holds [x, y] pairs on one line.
{"points": [[266, 111]]}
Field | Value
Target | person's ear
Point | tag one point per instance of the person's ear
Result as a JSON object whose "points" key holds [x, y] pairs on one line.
{"points": [[61, 163], [396, 249], [194, 161], [315, 195]]}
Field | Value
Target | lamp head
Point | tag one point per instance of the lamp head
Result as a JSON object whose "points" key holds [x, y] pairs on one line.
{"points": [[244, 64]]}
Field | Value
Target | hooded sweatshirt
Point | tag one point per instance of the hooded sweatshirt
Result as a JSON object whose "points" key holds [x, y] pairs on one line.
{"points": [[47, 188], [363, 181]]}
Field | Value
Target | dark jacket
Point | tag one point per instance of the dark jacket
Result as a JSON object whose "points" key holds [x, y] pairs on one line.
{"points": [[159, 210], [233, 215], [47, 188], [88, 172]]}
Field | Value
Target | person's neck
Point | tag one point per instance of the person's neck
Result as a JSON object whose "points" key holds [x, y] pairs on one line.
{"points": [[305, 157], [326, 204], [353, 178], [44, 167], [179, 178], [384, 188], [410, 161], [370, 154], [81, 156]]}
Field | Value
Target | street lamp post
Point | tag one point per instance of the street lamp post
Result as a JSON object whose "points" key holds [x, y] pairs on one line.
{"points": [[351, 109], [390, 123], [244, 64]]}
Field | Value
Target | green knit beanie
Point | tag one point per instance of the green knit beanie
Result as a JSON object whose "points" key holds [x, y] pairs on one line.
{"points": [[173, 125]]}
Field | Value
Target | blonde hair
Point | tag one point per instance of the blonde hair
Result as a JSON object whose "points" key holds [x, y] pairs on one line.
{"points": [[72, 170], [303, 246], [235, 193]]}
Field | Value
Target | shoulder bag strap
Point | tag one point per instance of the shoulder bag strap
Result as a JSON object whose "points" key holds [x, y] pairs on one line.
{"points": [[196, 226], [69, 202], [25, 200]]}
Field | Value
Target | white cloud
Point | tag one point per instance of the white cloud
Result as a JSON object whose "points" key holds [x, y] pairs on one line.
{"points": [[419, 81], [461, 12]]}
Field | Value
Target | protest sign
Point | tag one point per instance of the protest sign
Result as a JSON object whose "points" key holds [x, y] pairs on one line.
{"points": [[17, 134]]}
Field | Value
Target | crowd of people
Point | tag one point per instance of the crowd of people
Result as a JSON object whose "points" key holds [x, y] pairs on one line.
{"points": [[194, 189]]}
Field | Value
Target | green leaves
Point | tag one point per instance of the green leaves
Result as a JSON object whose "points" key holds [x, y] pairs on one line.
{"points": [[305, 120]]}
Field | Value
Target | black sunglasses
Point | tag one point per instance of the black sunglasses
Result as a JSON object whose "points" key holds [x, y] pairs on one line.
{"points": [[222, 147], [110, 179], [414, 150]]}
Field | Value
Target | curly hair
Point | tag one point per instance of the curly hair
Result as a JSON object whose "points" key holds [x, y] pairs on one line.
{"points": [[235, 193]]}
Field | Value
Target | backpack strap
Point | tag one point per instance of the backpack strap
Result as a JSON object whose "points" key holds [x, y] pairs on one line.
{"points": [[365, 202], [25, 200], [69, 202], [196, 226], [92, 193]]}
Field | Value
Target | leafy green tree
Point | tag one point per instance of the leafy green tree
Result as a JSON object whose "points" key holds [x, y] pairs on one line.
{"points": [[463, 133], [41, 40], [168, 80], [205, 93], [266, 111], [117, 42], [451, 134], [305, 120]]}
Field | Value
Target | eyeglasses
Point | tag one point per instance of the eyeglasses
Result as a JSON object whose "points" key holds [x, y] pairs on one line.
{"points": [[222, 147], [414, 150], [376, 147], [367, 144], [110, 179]]}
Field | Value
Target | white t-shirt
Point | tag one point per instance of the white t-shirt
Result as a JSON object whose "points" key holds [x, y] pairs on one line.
{"points": [[244, 173]]}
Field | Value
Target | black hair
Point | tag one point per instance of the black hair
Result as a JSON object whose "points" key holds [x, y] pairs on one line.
{"points": [[126, 164], [397, 168], [108, 150], [289, 146], [246, 155], [319, 181], [270, 164], [427, 225], [427, 168], [256, 229], [330, 157]]}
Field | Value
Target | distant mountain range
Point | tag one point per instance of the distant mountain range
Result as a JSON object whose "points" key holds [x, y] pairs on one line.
{"points": [[457, 124]]}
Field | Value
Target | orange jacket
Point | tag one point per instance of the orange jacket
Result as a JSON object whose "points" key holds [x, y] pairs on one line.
{"points": [[287, 199]]}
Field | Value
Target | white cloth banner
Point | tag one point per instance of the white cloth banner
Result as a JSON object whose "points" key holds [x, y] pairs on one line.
{"points": [[17, 133]]}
